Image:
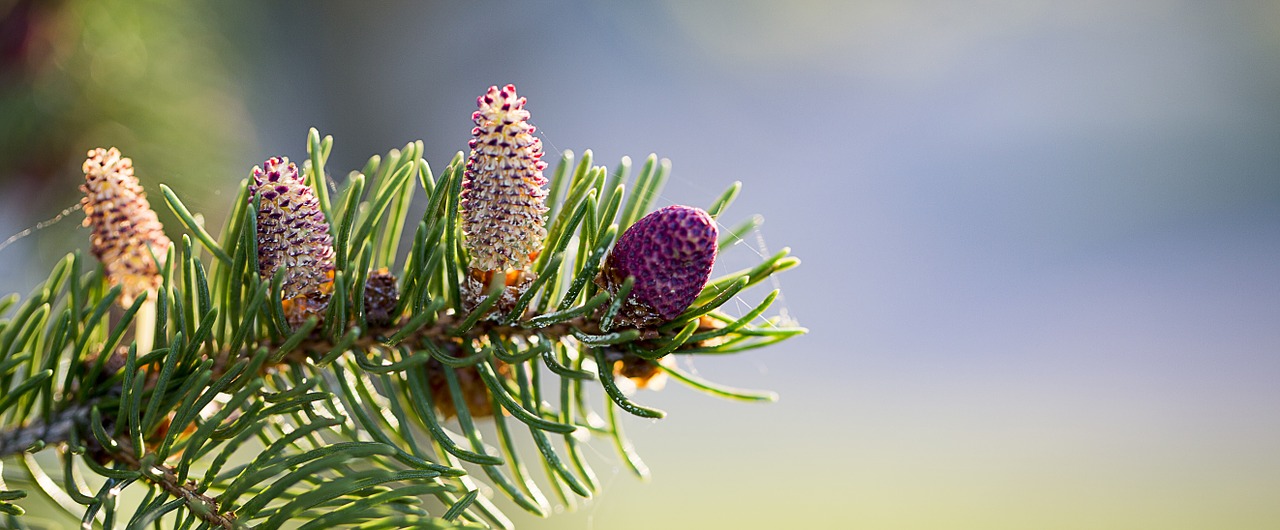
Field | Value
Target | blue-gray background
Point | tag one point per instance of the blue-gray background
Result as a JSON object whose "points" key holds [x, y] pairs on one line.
{"points": [[1041, 240]]}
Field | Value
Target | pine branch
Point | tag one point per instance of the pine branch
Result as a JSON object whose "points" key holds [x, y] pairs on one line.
{"points": [[352, 388], [40, 433], [166, 477]]}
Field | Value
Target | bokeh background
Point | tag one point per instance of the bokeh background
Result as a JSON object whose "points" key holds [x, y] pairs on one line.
{"points": [[1041, 240]]}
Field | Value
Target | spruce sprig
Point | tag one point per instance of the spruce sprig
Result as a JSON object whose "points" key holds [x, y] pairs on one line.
{"points": [[236, 417]]}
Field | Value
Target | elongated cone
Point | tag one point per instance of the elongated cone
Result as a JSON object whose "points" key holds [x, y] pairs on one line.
{"points": [[502, 196], [670, 253], [125, 232], [294, 235]]}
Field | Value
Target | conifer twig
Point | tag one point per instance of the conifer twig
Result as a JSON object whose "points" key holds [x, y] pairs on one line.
{"points": [[165, 476], [40, 432]]}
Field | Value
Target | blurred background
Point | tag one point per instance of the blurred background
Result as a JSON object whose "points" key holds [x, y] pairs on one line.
{"points": [[1041, 240]]}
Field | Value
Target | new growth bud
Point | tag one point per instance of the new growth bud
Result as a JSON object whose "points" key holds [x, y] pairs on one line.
{"points": [[502, 196], [125, 232], [380, 298], [293, 234], [670, 253]]}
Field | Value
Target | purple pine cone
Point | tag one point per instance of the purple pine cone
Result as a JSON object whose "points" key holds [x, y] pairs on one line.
{"points": [[670, 252]]}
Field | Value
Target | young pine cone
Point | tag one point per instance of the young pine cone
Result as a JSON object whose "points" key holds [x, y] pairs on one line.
{"points": [[293, 234], [502, 197], [670, 253], [125, 231]]}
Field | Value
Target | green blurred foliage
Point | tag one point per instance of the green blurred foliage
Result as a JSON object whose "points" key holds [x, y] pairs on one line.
{"points": [[150, 77]]}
